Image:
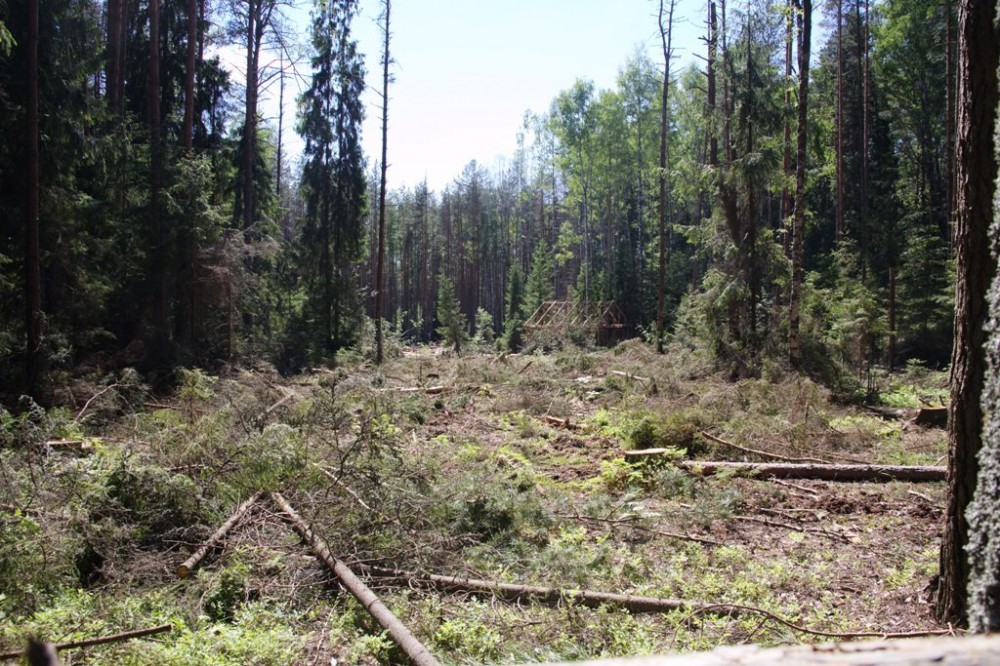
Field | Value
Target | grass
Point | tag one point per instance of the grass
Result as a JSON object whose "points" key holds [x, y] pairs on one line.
{"points": [[471, 481]]}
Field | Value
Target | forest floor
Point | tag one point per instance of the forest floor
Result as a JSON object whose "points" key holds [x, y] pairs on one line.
{"points": [[507, 468]]}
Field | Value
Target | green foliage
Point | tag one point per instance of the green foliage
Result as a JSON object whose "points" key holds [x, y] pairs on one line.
{"points": [[449, 315], [471, 639], [538, 288]]}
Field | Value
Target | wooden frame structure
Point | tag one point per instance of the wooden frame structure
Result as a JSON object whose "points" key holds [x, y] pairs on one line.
{"points": [[604, 318]]}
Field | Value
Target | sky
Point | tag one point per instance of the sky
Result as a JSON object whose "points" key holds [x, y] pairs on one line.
{"points": [[466, 71]]}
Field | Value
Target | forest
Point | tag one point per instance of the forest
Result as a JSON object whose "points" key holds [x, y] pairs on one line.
{"points": [[793, 233]]}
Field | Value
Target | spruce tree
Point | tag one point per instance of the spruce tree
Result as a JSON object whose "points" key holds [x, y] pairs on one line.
{"points": [[449, 314], [333, 178]]}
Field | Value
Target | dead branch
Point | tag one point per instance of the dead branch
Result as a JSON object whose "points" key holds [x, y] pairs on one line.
{"points": [[551, 596], [793, 528], [670, 535], [861, 473], [429, 390], [526, 366], [795, 486], [757, 452], [186, 567], [407, 642], [104, 640], [629, 375], [279, 403], [94, 397], [817, 632]]}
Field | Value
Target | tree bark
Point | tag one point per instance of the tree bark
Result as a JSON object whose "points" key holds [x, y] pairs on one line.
{"points": [[380, 262], [32, 253], [984, 512], [798, 224], [976, 168]]}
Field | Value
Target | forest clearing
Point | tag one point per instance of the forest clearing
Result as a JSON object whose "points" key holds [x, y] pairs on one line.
{"points": [[710, 358], [496, 467]]}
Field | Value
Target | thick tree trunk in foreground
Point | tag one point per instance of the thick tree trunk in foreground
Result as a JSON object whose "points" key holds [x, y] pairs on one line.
{"points": [[984, 513], [976, 169]]}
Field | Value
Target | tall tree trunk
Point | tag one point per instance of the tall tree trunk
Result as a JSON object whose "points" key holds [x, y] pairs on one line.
{"points": [[798, 224], [839, 148], [32, 254], [666, 30], [254, 36], [191, 64], [713, 47], [380, 263], [786, 193], [949, 117], [158, 269], [862, 56], [976, 169], [115, 35]]}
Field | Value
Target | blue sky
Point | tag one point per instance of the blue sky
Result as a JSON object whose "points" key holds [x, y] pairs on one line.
{"points": [[466, 71]]}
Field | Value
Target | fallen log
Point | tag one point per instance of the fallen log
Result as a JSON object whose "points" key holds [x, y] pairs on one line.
{"points": [[550, 596], [188, 565], [867, 473], [407, 642], [936, 651], [103, 640]]}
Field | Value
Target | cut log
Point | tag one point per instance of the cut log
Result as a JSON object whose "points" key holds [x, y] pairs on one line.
{"points": [[960, 651], [866, 473], [75, 446], [188, 565], [550, 596], [407, 642], [933, 417]]}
